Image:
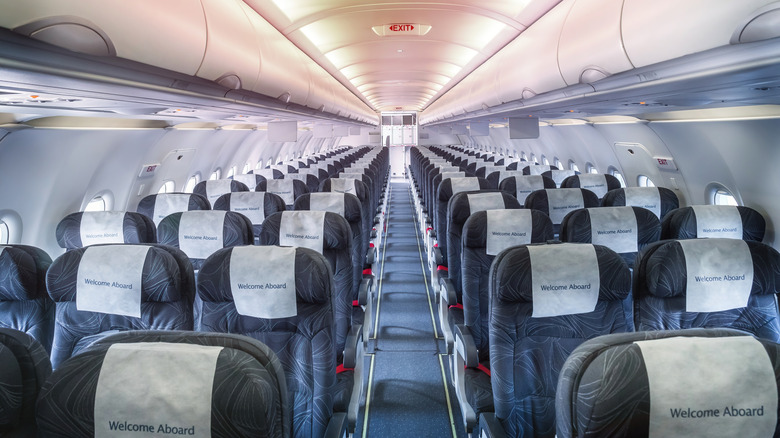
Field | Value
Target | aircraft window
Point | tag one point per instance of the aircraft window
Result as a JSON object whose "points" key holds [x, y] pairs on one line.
{"points": [[98, 203], [191, 183], [557, 163], [534, 159], [591, 168], [167, 187], [247, 168], [644, 181], [545, 161], [270, 161], [4, 233], [573, 166], [524, 156], [231, 172], [612, 170], [721, 196], [216, 174]]}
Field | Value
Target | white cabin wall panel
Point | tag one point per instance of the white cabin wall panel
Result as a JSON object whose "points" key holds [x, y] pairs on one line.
{"points": [[176, 29], [591, 46], [529, 65], [641, 163], [231, 48], [741, 155], [46, 174], [673, 28]]}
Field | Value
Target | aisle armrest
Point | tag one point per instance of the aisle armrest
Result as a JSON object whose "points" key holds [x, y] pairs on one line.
{"points": [[337, 426], [464, 355], [490, 427]]}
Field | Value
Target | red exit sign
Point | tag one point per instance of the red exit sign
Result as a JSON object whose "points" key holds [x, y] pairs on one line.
{"points": [[401, 27]]}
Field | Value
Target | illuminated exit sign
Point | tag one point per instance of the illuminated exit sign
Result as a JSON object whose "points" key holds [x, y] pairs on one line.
{"points": [[401, 29]]}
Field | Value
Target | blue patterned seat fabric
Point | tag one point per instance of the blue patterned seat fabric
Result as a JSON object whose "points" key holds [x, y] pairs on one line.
{"points": [[527, 353], [299, 188], [24, 366], [668, 200], [304, 343], [166, 301], [24, 303], [575, 182], [681, 223], [336, 249], [604, 388], [660, 292], [213, 189], [361, 191], [538, 200], [443, 195], [248, 394], [137, 228]]}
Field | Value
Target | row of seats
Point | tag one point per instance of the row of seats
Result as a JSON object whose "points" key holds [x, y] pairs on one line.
{"points": [[154, 284], [485, 225]]}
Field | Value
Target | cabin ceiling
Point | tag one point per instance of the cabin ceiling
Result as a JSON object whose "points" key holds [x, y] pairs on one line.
{"points": [[405, 69]]}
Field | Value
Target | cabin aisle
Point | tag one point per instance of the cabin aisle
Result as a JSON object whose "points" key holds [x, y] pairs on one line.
{"points": [[407, 393]]}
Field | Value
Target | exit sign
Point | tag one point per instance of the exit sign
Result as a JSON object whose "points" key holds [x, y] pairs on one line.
{"points": [[393, 29]]}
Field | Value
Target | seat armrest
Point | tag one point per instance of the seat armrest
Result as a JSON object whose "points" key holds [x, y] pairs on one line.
{"points": [[447, 291], [490, 427], [364, 289], [371, 256], [437, 257], [464, 346], [337, 426], [354, 339]]}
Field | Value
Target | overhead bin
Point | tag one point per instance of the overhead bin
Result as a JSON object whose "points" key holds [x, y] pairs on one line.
{"points": [[529, 65], [590, 46], [672, 28], [231, 58], [169, 34]]}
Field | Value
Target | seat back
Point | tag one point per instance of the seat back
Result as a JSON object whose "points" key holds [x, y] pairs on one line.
{"points": [[157, 207], [708, 283], [268, 174], [545, 301], [169, 384], [558, 176], [520, 186], [330, 235], [659, 200], [25, 367], [597, 183], [251, 180], [287, 189], [283, 297], [720, 221], [256, 206], [213, 189], [686, 383], [446, 190], [461, 206], [625, 230], [82, 229], [347, 206], [557, 203], [307, 177], [486, 234], [24, 303], [107, 288], [201, 233]]}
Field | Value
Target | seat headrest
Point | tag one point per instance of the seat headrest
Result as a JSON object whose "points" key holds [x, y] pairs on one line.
{"points": [[622, 229], [213, 189], [201, 233], [557, 203], [599, 184], [253, 205], [505, 228], [137, 273], [343, 204], [558, 176], [158, 206], [249, 179], [720, 221], [659, 200], [522, 272], [19, 276], [81, 229], [337, 235], [464, 204], [452, 186], [696, 382], [226, 274], [668, 268], [164, 388]]}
